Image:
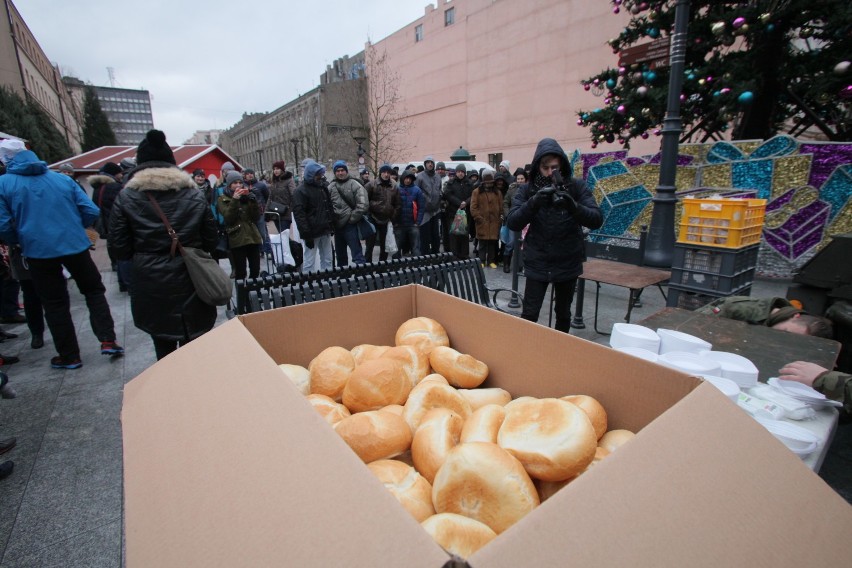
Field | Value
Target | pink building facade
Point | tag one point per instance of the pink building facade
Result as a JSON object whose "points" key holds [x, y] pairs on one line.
{"points": [[496, 76]]}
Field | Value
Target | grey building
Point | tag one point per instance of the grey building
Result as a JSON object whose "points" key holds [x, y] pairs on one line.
{"points": [[128, 110]]}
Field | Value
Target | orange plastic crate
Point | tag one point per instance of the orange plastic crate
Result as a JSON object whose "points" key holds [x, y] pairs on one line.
{"points": [[729, 223]]}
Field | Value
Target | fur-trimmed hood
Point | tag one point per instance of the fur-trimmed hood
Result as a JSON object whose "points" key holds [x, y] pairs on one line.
{"points": [[100, 179], [160, 179]]}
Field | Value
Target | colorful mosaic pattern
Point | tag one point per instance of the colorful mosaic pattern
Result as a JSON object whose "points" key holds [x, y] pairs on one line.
{"points": [[808, 186]]}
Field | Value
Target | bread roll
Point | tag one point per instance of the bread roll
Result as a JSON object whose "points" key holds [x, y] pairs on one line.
{"points": [[300, 376], [409, 487], [483, 424], [547, 489], [431, 394], [480, 397], [614, 439], [330, 370], [414, 362], [458, 535], [394, 408], [332, 411], [462, 371], [593, 409], [435, 377], [439, 432], [375, 435], [423, 333], [375, 384], [366, 351], [554, 439], [484, 482]]}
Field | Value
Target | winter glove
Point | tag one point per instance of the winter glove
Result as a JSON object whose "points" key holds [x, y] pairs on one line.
{"points": [[309, 243], [563, 200], [542, 196]]}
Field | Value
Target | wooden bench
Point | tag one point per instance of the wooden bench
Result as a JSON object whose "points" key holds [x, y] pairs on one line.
{"points": [[461, 278], [271, 281]]}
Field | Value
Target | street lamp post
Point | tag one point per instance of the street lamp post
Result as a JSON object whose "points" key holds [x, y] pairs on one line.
{"points": [[295, 143], [360, 140], [660, 243]]}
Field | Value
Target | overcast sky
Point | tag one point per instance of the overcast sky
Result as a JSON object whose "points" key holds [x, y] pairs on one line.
{"points": [[205, 63]]}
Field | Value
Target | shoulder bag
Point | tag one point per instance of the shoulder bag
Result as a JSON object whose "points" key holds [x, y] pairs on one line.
{"points": [[212, 285]]}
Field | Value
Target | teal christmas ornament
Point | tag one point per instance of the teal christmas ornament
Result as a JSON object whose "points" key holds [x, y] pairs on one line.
{"points": [[653, 32], [610, 83], [651, 77], [746, 98]]}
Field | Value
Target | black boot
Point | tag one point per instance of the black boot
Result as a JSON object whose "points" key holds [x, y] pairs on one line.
{"points": [[507, 263]]}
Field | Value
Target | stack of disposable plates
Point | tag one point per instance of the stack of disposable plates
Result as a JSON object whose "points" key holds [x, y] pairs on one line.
{"points": [[671, 340], [727, 386], [735, 367], [632, 335], [800, 441], [802, 393], [691, 363], [639, 352]]}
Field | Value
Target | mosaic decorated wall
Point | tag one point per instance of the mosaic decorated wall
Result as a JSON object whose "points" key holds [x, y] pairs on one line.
{"points": [[807, 185]]}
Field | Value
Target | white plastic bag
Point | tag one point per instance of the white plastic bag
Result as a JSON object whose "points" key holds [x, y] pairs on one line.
{"points": [[390, 241]]}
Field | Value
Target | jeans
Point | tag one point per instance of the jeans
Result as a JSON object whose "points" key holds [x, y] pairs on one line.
{"points": [[407, 240], [125, 274], [319, 257], [380, 236], [430, 237], [264, 234], [347, 237], [51, 287], [534, 294]]}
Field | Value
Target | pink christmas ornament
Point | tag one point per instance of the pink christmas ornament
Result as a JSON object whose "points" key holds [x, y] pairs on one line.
{"points": [[738, 22], [621, 109]]}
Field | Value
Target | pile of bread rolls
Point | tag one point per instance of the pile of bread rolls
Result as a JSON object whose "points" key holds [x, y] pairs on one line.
{"points": [[466, 462]]}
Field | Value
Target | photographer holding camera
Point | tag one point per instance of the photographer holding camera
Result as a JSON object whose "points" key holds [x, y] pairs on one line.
{"points": [[556, 211]]}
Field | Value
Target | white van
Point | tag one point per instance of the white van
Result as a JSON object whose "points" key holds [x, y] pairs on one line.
{"points": [[451, 166]]}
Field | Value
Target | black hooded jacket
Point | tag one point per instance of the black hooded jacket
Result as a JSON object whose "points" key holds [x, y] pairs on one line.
{"points": [[554, 248]]}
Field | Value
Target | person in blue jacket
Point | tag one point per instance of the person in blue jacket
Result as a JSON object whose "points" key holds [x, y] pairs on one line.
{"points": [[413, 208], [556, 210], [46, 213]]}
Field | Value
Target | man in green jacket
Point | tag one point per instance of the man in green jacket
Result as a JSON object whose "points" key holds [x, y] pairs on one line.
{"points": [[777, 313]]}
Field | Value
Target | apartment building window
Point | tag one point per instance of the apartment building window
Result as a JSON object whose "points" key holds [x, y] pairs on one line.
{"points": [[449, 17], [418, 32]]}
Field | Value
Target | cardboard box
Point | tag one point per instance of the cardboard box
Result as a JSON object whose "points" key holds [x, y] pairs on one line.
{"points": [[227, 465]]}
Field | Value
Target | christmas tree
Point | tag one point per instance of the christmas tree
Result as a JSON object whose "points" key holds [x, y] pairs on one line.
{"points": [[759, 67]]}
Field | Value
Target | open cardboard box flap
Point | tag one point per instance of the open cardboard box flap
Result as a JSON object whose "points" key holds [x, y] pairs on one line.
{"points": [[227, 464]]}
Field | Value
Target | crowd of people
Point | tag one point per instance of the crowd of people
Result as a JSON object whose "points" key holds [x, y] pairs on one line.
{"points": [[44, 215]]}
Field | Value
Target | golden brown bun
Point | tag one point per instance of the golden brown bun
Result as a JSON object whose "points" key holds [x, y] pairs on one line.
{"points": [[462, 371], [409, 487], [332, 411], [365, 352], [375, 435], [457, 534], [483, 424], [480, 397], [300, 376], [439, 432], [593, 409], [554, 439], [330, 370], [423, 333], [614, 439], [435, 377], [414, 362], [484, 482], [375, 384], [431, 394], [547, 489], [394, 408]]}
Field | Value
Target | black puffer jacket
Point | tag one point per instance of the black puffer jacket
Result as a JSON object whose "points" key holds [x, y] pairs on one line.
{"points": [[554, 248], [455, 192], [312, 209], [163, 302], [105, 190]]}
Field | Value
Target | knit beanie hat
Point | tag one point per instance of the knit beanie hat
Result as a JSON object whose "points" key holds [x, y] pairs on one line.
{"points": [[227, 166], [461, 168], [386, 168], [279, 164], [198, 172], [519, 172], [505, 164], [154, 149], [248, 171], [111, 168], [487, 173], [440, 166], [339, 164], [67, 167], [127, 164], [232, 177]]}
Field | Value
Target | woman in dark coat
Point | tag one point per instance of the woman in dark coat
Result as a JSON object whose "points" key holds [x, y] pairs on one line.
{"points": [[163, 299]]}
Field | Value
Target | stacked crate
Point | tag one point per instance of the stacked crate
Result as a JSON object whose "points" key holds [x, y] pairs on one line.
{"points": [[716, 251]]}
